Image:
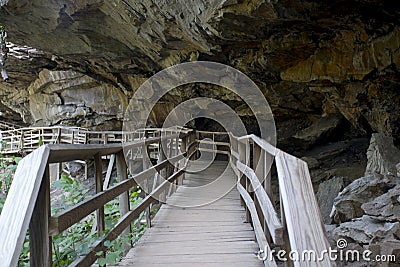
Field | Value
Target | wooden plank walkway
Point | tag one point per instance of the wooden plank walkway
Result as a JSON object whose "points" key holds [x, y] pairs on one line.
{"points": [[215, 234]]}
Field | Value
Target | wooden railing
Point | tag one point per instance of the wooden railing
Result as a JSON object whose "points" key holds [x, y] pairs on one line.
{"points": [[294, 226], [25, 140], [299, 227], [28, 202], [28, 139], [8, 126]]}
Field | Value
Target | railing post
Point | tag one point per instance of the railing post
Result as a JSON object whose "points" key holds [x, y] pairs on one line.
{"points": [[58, 139], [22, 141], [73, 136], [183, 149], [122, 173], [98, 165], [268, 161], [197, 137], [146, 184], [259, 169], [40, 241], [242, 158], [105, 138], [286, 242], [163, 172], [59, 165], [171, 167], [248, 184], [179, 180]]}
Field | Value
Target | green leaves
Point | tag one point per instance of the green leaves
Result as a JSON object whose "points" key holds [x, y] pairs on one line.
{"points": [[115, 250], [77, 240], [40, 142], [7, 171], [16, 159]]}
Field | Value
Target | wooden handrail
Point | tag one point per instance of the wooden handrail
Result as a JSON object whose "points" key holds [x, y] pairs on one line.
{"points": [[19, 205], [299, 227], [67, 218], [302, 215], [27, 139], [35, 194], [258, 230], [274, 225]]}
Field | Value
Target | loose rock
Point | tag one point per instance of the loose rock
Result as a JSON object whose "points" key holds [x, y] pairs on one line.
{"points": [[347, 205]]}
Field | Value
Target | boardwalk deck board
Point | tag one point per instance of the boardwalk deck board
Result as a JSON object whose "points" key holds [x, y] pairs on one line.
{"points": [[211, 235]]}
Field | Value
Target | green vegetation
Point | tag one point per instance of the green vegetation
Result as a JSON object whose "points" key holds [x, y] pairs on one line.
{"points": [[76, 240], [7, 170]]}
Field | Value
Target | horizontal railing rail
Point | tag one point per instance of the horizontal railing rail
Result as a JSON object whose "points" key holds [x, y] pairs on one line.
{"points": [[28, 202], [27, 139], [300, 227], [295, 225]]}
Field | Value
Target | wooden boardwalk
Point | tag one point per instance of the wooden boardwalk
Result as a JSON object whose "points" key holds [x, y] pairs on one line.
{"points": [[214, 234], [203, 222]]}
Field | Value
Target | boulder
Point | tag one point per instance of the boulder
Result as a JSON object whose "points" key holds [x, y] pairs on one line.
{"points": [[365, 229], [385, 207], [367, 233], [382, 155], [347, 205], [327, 192]]}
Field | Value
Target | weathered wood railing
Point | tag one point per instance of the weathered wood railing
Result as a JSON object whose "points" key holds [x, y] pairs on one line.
{"points": [[8, 126], [28, 201], [299, 227], [28, 139], [25, 140]]}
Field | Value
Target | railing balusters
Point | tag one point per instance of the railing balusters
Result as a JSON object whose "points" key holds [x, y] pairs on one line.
{"points": [[43, 224], [259, 208]]}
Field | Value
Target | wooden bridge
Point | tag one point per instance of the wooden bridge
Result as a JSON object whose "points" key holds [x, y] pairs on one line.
{"points": [[224, 215]]}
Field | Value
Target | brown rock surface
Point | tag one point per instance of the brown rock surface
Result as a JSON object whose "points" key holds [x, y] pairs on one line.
{"points": [[310, 59]]}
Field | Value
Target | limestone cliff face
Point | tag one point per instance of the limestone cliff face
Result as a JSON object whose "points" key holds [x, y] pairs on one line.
{"points": [[333, 64], [57, 96]]}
